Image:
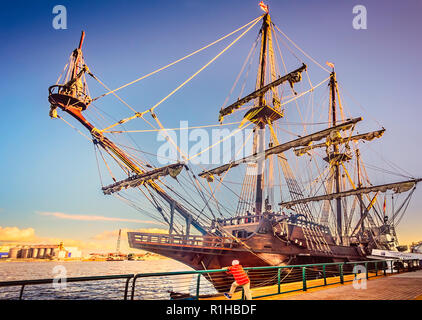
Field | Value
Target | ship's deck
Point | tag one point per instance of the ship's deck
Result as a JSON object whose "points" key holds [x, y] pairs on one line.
{"points": [[405, 286]]}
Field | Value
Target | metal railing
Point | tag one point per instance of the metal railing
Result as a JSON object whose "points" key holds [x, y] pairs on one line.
{"points": [[265, 281], [50, 281], [191, 240], [256, 218]]}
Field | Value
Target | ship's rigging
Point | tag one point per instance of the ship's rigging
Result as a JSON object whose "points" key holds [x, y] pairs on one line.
{"points": [[182, 194]]}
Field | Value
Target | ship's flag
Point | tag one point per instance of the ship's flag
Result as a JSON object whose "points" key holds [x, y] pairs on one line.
{"points": [[263, 7], [331, 65]]}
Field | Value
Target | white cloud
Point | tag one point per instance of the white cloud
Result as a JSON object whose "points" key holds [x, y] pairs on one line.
{"points": [[61, 215], [14, 234], [102, 242]]}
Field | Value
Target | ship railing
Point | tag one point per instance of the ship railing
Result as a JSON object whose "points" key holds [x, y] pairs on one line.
{"points": [[186, 240], [245, 219], [63, 89], [256, 218], [210, 284]]}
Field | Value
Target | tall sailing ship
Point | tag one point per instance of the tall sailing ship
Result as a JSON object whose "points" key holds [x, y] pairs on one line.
{"points": [[337, 215]]}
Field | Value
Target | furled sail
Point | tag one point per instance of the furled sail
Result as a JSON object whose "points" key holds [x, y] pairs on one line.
{"points": [[397, 187], [292, 77], [302, 141], [172, 170], [369, 136]]}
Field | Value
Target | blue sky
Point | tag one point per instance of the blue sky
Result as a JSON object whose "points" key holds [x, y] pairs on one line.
{"points": [[46, 167]]}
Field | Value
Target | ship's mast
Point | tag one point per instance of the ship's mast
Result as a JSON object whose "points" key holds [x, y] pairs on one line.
{"points": [[335, 157], [260, 127], [77, 54], [359, 186]]}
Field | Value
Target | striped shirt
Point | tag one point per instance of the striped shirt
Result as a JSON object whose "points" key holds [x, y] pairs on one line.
{"points": [[239, 274]]}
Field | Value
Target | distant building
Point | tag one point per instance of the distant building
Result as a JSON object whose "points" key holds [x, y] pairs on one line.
{"points": [[44, 252], [4, 251], [70, 252]]}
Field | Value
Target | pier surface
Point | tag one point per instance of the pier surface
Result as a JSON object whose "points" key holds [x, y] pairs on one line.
{"points": [[404, 286]]}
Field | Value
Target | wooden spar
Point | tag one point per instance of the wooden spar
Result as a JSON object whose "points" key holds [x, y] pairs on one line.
{"points": [[260, 132], [359, 186], [291, 77], [263, 62], [364, 136], [77, 53], [81, 41], [302, 141], [137, 180], [335, 163], [397, 187]]}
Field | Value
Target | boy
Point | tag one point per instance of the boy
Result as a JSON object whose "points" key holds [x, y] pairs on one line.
{"points": [[240, 279]]}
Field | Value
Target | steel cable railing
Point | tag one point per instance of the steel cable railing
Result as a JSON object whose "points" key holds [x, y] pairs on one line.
{"points": [[63, 290], [204, 284]]}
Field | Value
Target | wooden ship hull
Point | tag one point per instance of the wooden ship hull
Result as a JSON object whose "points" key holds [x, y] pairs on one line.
{"points": [[272, 243]]}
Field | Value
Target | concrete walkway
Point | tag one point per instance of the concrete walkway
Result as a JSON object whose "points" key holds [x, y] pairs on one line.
{"points": [[405, 286]]}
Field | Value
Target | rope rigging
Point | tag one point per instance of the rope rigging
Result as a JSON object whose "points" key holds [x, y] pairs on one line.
{"points": [[179, 60], [303, 52], [151, 110], [199, 201]]}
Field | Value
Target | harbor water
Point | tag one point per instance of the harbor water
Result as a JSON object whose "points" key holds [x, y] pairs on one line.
{"points": [[146, 288]]}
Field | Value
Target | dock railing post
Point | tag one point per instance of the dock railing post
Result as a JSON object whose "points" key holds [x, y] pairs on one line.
{"points": [[384, 266], [243, 291], [278, 279], [367, 272], [21, 292], [341, 273], [376, 269], [198, 282], [304, 278], [132, 294], [354, 271], [126, 288], [325, 275]]}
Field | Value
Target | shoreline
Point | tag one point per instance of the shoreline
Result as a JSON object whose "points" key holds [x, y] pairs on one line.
{"points": [[144, 258]]}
